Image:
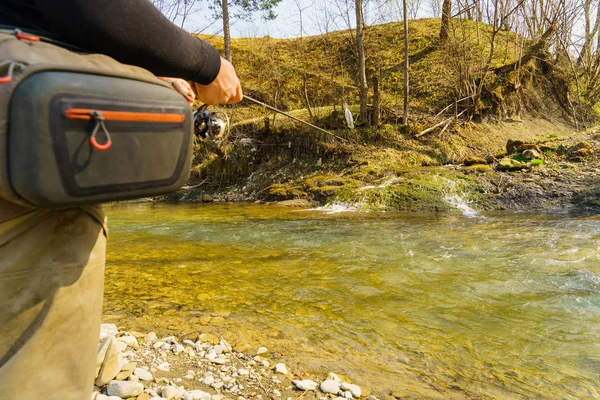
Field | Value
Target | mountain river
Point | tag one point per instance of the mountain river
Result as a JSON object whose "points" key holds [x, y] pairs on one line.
{"points": [[494, 306]]}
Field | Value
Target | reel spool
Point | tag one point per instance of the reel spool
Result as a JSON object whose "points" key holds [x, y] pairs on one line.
{"points": [[211, 125]]}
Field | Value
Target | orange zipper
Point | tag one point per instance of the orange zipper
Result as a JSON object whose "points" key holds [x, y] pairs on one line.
{"points": [[88, 114]]}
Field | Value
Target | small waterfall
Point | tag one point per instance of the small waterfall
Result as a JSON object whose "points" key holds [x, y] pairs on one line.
{"points": [[337, 208], [457, 200]]}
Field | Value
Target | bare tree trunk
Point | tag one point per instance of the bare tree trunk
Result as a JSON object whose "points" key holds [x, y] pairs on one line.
{"points": [[376, 102], [406, 82], [362, 73], [226, 31], [446, 15]]}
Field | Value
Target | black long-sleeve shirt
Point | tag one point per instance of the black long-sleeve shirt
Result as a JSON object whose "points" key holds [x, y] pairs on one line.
{"points": [[131, 31]]}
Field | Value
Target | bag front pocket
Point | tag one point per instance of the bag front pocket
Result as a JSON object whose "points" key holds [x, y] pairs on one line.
{"points": [[79, 147]]}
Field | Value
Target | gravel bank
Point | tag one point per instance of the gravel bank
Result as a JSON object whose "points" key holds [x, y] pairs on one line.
{"points": [[132, 365]]}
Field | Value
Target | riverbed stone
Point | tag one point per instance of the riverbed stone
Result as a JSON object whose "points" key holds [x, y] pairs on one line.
{"points": [[101, 354], [508, 164], [305, 384], [281, 368], [198, 395], [108, 330], [124, 389], [330, 386], [130, 341], [169, 392], [150, 338], [208, 337], [143, 374], [262, 351], [143, 396], [355, 390], [113, 362], [126, 370], [333, 377], [531, 154]]}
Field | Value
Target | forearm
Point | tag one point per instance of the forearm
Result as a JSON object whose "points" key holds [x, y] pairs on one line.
{"points": [[133, 32]]}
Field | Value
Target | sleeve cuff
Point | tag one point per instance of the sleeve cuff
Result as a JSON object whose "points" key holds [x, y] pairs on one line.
{"points": [[211, 64]]}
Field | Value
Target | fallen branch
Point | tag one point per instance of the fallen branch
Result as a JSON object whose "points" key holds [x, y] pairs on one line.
{"points": [[195, 186], [444, 122]]}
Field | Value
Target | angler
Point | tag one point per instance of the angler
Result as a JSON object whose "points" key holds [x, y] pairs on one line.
{"points": [[78, 128]]}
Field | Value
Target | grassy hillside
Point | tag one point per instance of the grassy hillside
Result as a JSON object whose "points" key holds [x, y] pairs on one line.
{"points": [[313, 76]]}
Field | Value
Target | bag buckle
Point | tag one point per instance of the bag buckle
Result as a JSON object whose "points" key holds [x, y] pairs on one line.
{"points": [[99, 118], [12, 67], [25, 36]]}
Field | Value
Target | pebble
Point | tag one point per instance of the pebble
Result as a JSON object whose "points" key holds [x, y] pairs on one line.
{"points": [[355, 390], [261, 351], [108, 330], [130, 341], [243, 372], [150, 338], [133, 378], [101, 354], [281, 369], [164, 367], [143, 374], [198, 395], [124, 389], [333, 377], [177, 348], [217, 385], [169, 392], [348, 395], [112, 364], [330, 386], [209, 380], [276, 393], [158, 345], [305, 384], [126, 370]]}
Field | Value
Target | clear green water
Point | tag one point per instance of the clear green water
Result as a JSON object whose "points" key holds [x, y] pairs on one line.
{"points": [[499, 306]]}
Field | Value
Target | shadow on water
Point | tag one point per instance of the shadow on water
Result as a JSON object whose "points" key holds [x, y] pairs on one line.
{"points": [[503, 306]]}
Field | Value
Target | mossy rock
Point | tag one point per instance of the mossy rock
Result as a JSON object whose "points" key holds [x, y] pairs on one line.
{"points": [[508, 164], [479, 169], [473, 161], [580, 152], [281, 192]]}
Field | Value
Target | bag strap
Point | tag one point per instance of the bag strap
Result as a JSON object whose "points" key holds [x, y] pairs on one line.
{"points": [[37, 36]]}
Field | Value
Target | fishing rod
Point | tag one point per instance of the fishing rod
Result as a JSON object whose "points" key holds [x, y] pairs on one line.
{"points": [[260, 103], [215, 125]]}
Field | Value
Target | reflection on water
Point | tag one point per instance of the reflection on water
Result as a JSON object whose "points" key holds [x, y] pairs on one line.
{"points": [[430, 306]]}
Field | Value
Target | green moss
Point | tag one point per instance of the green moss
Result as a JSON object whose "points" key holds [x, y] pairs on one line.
{"points": [[537, 163], [421, 189]]}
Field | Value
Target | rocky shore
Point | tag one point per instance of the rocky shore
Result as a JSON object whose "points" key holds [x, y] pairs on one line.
{"points": [[133, 365]]}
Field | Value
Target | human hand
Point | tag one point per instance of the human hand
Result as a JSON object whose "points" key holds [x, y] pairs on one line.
{"points": [[225, 89], [182, 87]]}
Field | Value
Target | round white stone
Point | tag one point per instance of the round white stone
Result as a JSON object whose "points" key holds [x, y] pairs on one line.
{"points": [[143, 374], [124, 389], [281, 369], [169, 392], [305, 384], [330, 386]]}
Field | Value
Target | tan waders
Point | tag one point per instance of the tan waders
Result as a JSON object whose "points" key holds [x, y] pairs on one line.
{"points": [[51, 284]]}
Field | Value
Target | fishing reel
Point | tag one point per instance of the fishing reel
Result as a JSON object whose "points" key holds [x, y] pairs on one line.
{"points": [[211, 125]]}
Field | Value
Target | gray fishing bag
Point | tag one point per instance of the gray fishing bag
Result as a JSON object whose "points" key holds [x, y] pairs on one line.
{"points": [[83, 128]]}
